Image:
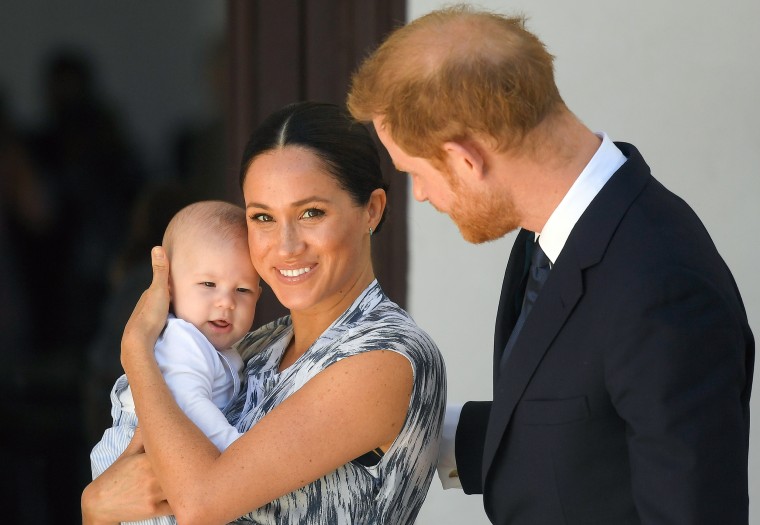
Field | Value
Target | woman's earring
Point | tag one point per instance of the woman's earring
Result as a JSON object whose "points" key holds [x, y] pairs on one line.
{"points": [[370, 231]]}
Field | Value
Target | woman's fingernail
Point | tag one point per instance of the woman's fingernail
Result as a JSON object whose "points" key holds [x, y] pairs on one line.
{"points": [[158, 253]]}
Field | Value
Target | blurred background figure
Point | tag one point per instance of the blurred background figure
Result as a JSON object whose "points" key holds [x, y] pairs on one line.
{"points": [[88, 165], [67, 190], [22, 208], [24, 212]]}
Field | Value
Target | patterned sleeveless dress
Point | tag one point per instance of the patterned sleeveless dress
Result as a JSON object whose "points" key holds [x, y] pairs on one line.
{"points": [[389, 492]]}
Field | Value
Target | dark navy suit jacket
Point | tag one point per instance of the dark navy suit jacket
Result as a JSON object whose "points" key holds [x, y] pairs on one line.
{"points": [[626, 397]]}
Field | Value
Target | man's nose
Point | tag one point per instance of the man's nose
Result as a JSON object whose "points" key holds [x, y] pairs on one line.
{"points": [[418, 191]]}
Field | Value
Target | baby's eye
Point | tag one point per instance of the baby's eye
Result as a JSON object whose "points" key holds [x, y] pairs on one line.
{"points": [[261, 217], [312, 213], [209, 284], [243, 290]]}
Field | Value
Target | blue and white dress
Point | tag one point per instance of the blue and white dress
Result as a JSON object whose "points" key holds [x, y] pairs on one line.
{"points": [[389, 492]]}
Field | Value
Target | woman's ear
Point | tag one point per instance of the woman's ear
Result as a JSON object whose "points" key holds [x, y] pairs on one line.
{"points": [[376, 207], [465, 159]]}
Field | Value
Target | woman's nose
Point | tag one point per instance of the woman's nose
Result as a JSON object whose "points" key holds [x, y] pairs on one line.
{"points": [[290, 240]]}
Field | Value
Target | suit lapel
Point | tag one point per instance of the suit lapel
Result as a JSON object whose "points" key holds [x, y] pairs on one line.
{"points": [[584, 248]]}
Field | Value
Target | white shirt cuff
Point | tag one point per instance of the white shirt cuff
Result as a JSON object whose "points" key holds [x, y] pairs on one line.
{"points": [[447, 462]]}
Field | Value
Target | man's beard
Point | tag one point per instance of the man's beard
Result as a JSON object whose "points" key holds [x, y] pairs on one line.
{"points": [[481, 217]]}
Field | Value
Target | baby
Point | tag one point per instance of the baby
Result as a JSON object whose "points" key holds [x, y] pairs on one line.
{"points": [[214, 289]]}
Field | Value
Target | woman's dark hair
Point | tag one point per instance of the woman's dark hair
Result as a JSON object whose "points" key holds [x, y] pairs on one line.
{"points": [[342, 144]]}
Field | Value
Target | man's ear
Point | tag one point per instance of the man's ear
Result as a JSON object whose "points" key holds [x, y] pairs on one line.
{"points": [[466, 159]]}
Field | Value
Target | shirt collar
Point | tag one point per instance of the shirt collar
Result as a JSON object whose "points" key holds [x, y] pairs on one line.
{"points": [[605, 162]]}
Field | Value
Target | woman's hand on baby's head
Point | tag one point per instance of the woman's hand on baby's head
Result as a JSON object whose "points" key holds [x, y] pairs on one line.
{"points": [[149, 316]]}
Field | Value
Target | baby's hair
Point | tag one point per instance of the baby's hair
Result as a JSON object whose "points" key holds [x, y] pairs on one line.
{"points": [[218, 218]]}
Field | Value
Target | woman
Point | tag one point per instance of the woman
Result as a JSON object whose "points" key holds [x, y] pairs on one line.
{"points": [[345, 397]]}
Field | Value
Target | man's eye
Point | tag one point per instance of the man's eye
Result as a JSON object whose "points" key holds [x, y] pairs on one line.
{"points": [[312, 213], [208, 284]]}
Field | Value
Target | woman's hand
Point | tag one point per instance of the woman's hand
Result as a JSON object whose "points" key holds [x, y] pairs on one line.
{"points": [[127, 491], [149, 316]]}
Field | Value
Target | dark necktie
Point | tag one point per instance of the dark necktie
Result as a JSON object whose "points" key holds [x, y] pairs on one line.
{"points": [[537, 275]]}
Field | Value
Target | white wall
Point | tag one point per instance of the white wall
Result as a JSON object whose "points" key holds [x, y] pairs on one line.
{"points": [[678, 79]]}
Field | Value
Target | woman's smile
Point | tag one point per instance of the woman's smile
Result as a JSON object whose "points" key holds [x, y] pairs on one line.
{"points": [[285, 272]]}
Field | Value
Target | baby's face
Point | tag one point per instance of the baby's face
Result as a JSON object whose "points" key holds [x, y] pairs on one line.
{"points": [[215, 288]]}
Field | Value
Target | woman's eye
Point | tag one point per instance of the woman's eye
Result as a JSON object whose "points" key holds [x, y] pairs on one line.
{"points": [[261, 217], [208, 284], [312, 213]]}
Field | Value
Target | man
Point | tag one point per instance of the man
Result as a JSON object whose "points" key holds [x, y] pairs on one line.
{"points": [[622, 359]]}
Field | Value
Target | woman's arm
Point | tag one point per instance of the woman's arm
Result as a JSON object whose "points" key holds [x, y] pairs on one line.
{"points": [[353, 406]]}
